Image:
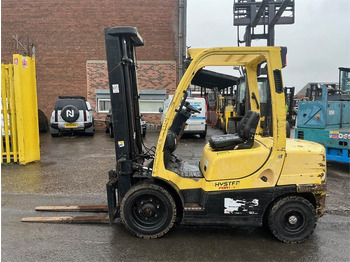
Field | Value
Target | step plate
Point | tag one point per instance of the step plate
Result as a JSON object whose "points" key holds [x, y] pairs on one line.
{"points": [[193, 207]]}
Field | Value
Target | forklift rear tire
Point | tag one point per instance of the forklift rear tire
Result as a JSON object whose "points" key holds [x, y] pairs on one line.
{"points": [[292, 219], [148, 210]]}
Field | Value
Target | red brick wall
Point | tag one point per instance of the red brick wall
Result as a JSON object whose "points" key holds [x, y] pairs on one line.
{"points": [[68, 33], [151, 75]]}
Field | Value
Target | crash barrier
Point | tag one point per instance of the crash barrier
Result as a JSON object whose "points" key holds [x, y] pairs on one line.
{"points": [[19, 111], [211, 118]]}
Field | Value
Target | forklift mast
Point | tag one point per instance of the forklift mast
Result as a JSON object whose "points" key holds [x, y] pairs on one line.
{"points": [[121, 62]]}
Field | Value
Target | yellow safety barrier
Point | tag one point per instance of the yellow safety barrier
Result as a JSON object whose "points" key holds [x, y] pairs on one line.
{"points": [[19, 112]]}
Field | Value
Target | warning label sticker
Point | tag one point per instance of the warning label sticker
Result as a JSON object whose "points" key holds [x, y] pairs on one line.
{"points": [[338, 135]]}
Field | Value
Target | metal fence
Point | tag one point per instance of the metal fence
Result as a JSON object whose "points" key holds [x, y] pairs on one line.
{"points": [[19, 112]]}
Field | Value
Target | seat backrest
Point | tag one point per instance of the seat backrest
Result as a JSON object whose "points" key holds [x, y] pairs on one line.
{"points": [[247, 126]]}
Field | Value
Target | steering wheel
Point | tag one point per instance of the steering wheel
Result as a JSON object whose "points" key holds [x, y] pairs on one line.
{"points": [[191, 108]]}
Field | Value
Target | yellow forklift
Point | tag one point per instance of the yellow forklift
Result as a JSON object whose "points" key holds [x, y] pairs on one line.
{"points": [[225, 112], [242, 179]]}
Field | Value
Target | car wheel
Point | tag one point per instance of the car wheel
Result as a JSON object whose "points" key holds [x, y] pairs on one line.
{"points": [[148, 210], [144, 133], [292, 219], [203, 135], [111, 134]]}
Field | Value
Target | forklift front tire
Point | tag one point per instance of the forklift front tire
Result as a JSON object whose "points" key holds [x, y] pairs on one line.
{"points": [[292, 219], [148, 210]]}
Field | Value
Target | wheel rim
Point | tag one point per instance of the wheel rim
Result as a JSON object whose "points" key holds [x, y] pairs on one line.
{"points": [[294, 221], [149, 212]]}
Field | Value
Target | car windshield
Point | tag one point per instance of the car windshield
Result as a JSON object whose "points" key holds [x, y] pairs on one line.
{"points": [[78, 103]]}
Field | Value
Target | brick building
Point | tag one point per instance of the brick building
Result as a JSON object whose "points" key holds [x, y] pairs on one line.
{"points": [[156, 79], [70, 49]]}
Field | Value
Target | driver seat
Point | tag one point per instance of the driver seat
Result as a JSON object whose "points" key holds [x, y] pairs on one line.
{"points": [[243, 139]]}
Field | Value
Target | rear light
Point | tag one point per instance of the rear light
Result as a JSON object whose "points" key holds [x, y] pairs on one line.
{"points": [[56, 116], [85, 118]]}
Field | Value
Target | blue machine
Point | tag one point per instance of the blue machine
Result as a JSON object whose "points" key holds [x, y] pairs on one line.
{"points": [[326, 121]]}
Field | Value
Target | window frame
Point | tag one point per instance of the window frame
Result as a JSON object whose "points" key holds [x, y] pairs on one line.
{"points": [[99, 107], [151, 100]]}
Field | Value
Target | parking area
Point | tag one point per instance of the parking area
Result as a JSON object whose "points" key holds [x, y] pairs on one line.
{"points": [[73, 171]]}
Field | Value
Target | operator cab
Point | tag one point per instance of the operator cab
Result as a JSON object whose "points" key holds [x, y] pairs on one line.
{"points": [[220, 157]]}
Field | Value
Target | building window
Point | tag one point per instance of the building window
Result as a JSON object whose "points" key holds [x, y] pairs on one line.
{"points": [[151, 106], [103, 105], [150, 100]]}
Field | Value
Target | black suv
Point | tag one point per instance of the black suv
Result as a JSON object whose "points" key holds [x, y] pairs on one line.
{"points": [[72, 114]]}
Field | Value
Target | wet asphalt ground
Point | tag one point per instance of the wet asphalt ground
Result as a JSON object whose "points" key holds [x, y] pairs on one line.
{"points": [[73, 171]]}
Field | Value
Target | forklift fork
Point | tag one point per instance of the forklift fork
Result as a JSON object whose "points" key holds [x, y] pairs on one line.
{"points": [[112, 208], [70, 219]]}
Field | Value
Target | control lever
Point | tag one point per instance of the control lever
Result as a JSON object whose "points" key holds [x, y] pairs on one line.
{"points": [[256, 100]]}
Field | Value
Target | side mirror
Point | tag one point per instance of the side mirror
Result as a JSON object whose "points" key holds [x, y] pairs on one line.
{"points": [[88, 105], [160, 110], [109, 115]]}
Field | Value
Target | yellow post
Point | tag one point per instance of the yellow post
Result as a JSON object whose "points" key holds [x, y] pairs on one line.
{"points": [[5, 113], [26, 109], [13, 124]]}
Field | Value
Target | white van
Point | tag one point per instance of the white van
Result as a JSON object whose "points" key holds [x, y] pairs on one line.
{"points": [[196, 124]]}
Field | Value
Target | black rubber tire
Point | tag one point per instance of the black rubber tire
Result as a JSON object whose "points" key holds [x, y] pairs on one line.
{"points": [[72, 115], [144, 133], [148, 210], [111, 132], [203, 135], [231, 127], [90, 134], [281, 217], [287, 129]]}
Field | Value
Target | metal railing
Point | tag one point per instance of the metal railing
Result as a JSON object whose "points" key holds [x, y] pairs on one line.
{"points": [[19, 112]]}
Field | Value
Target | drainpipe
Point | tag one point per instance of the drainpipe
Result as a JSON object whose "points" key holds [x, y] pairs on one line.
{"points": [[182, 37]]}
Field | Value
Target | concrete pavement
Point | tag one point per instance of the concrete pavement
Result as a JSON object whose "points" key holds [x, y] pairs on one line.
{"points": [[74, 170]]}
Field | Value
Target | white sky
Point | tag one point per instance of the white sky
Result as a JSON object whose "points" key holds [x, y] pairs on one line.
{"points": [[318, 42]]}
